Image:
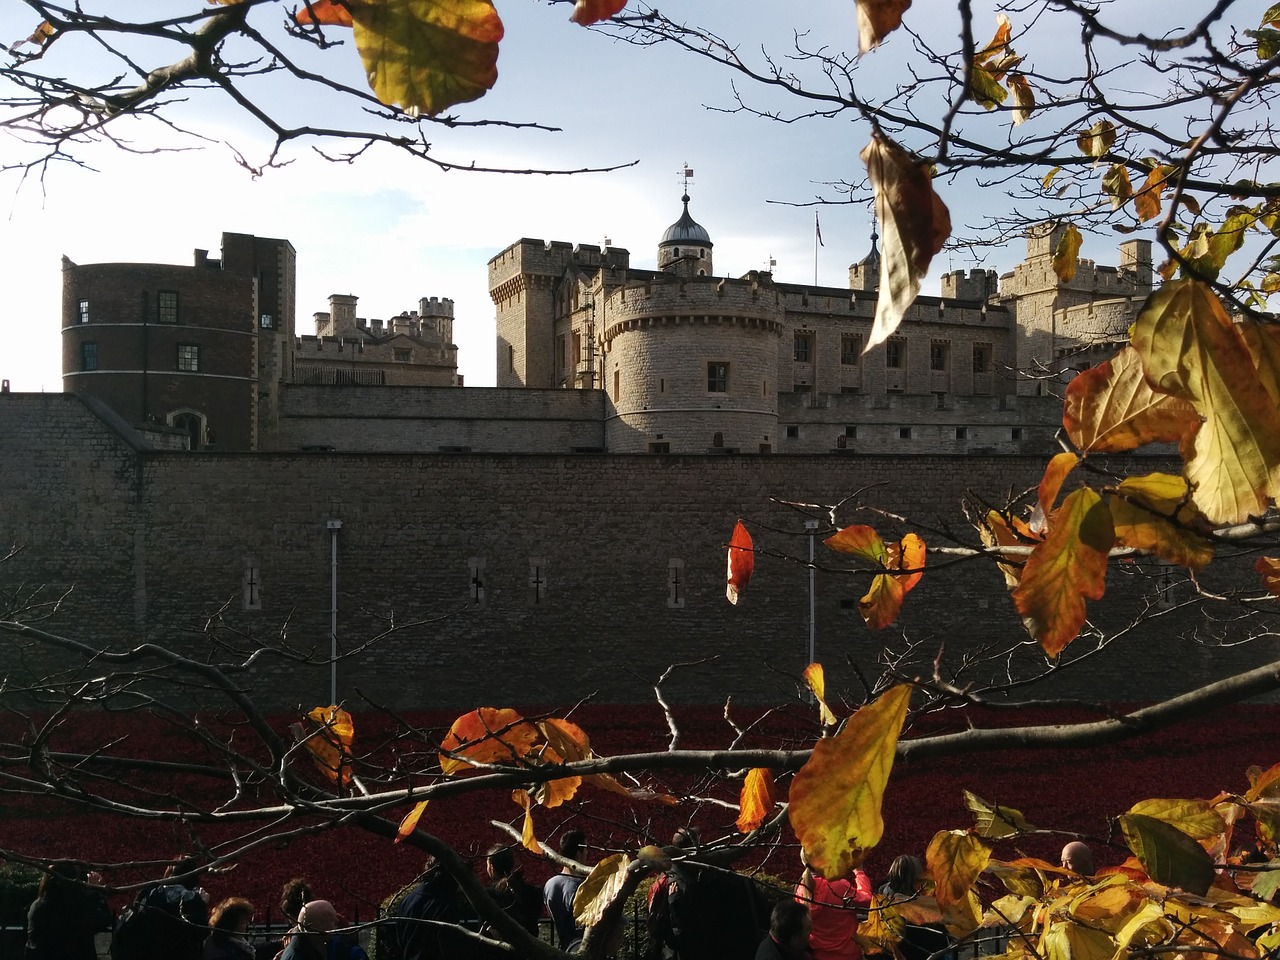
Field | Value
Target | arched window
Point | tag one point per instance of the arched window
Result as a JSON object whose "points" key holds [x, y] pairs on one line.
{"points": [[193, 423]]}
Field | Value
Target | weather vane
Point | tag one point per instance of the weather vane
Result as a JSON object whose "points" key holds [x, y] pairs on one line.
{"points": [[685, 176]]}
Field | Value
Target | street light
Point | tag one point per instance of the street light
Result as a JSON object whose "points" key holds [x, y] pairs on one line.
{"points": [[334, 526], [811, 527]]}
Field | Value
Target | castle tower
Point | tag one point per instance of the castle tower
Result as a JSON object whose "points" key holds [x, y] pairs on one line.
{"points": [[437, 314], [690, 360], [685, 248], [865, 274]]}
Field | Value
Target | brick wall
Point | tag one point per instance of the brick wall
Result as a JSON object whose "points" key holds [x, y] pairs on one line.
{"points": [[154, 543]]}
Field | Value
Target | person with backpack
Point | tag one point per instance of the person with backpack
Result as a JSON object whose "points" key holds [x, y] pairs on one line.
{"points": [[66, 915], [833, 910], [166, 922]]}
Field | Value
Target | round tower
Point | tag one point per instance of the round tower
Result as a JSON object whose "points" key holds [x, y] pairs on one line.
{"points": [[690, 360]]}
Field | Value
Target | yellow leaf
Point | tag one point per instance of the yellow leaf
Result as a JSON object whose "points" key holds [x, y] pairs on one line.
{"points": [[860, 541], [1213, 249], [1148, 925], [995, 532], [527, 836], [877, 19], [587, 12], [330, 748], [964, 916], [884, 925], [1022, 878], [1008, 910], [836, 795], [955, 859], [1144, 512], [1098, 139], [1048, 177], [757, 799], [1147, 201], [428, 55], [410, 821], [1111, 407], [1065, 940], [1269, 569], [994, 821], [1263, 341], [914, 222], [1196, 818], [986, 89], [816, 679], [599, 889], [1116, 183], [1069, 567], [1066, 253], [1024, 100], [1191, 350], [883, 601]]}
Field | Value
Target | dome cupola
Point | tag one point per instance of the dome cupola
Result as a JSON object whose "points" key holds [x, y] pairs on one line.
{"points": [[685, 247]]}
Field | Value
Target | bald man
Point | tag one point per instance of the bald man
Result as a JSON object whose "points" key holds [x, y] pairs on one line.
{"points": [[1078, 857]]}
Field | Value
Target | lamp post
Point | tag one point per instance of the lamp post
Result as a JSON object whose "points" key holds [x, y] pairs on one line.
{"points": [[334, 526], [811, 527]]}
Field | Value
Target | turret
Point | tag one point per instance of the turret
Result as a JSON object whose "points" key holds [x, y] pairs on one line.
{"points": [[685, 248]]}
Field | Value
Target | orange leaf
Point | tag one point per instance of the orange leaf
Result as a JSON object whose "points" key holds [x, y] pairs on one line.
{"points": [[1190, 349], [608, 782], [1065, 255], [1050, 485], [428, 55], [527, 836], [1155, 513], [330, 747], [1111, 408], [861, 541], [877, 19], [332, 13], [39, 37], [1098, 139], [1147, 201], [908, 554], [955, 859], [995, 532], [1024, 98], [410, 822], [914, 224], [816, 679], [566, 742], [1069, 567], [757, 800], [1269, 568], [883, 600], [836, 796], [742, 561], [587, 12], [486, 735]]}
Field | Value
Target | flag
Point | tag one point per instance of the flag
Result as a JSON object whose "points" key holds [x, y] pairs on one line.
{"points": [[817, 228]]}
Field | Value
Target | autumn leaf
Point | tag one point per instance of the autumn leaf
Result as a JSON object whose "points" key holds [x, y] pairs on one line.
{"points": [[39, 37], [955, 859], [883, 600], [410, 821], [1191, 350], [1263, 341], [877, 19], [1154, 513], [599, 889], [1147, 201], [757, 799], [1213, 249], [742, 561], [486, 735], [816, 679], [566, 742], [334, 13], [996, 532], [836, 795], [1098, 139], [1167, 854], [914, 222], [1116, 183], [1024, 100], [1269, 569], [587, 12], [985, 88], [428, 55], [994, 821], [1069, 567], [1055, 474], [1067, 940], [330, 747], [1196, 818], [527, 837], [860, 541], [1111, 408], [1066, 253]]}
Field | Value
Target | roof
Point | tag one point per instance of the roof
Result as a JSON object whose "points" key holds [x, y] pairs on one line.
{"points": [[686, 229]]}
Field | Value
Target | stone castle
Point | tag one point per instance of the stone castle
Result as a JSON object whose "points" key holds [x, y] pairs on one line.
{"points": [[593, 355], [209, 466]]}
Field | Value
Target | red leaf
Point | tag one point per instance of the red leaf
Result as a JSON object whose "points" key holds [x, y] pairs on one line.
{"points": [[742, 561]]}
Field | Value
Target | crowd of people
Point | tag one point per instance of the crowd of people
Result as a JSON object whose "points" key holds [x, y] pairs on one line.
{"points": [[697, 909]]}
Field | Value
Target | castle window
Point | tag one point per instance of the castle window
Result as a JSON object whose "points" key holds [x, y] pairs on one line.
{"points": [[962, 433], [562, 351], [676, 252], [617, 384], [88, 356], [793, 432], [1015, 433], [803, 349], [850, 389], [577, 350], [189, 357], [252, 584], [662, 385], [895, 353], [167, 306], [717, 377], [850, 349], [675, 583], [402, 355], [660, 447], [267, 322], [981, 357], [851, 431], [939, 354], [904, 433], [511, 357], [84, 311]]}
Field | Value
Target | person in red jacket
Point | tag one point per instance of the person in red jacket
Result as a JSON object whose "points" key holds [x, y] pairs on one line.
{"points": [[833, 910]]}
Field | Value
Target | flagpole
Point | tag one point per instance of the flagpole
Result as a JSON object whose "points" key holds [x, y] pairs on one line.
{"points": [[817, 232]]}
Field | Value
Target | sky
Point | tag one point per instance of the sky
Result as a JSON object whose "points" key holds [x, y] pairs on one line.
{"points": [[392, 230]]}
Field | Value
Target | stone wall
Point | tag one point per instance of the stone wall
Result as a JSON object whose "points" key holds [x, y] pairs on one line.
{"points": [[575, 554]]}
